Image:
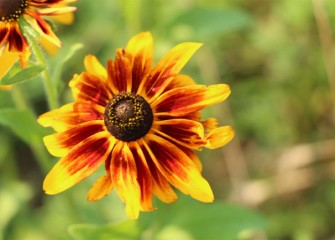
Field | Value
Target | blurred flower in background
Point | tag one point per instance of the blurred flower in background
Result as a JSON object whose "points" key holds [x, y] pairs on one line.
{"points": [[14, 14]]}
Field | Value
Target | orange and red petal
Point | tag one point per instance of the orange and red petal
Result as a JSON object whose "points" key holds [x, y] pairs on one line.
{"points": [[101, 188], [139, 51], [185, 100], [192, 155], [167, 69], [49, 3], [186, 132], [81, 162], [91, 88], [60, 144], [178, 168], [144, 177], [161, 187], [219, 137], [4, 31], [180, 81], [210, 124], [70, 115], [16, 40], [41, 26], [123, 171], [120, 73]]}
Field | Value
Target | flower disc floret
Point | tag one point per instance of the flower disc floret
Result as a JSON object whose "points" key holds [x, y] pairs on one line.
{"points": [[11, 10], [128, 117]]}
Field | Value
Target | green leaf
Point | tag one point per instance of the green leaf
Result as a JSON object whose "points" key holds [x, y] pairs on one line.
{"points": [[127, 230], [210, 22], [185, 219], [188, 219], [23, 124], [16, 74]]}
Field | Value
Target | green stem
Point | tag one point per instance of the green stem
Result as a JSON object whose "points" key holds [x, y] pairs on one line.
{"points": [[49, 87]]}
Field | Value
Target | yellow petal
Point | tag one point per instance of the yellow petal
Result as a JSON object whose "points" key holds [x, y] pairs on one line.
{"points": [[94, 67], [144, 177], [124, 176], [7, 60], [168, 68], [210, 124], [219, 137], [70, 115], [185, 100], [178, 168], [60, 144], [48, 46], [139, 51], [65, 18], [101, 188], [81, 162]]}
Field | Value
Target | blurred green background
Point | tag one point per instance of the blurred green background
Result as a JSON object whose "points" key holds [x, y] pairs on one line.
{"points": [[275, 180]]}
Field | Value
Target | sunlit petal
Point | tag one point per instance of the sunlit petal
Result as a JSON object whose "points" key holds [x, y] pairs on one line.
{"points": [[102, 187], [219, 137], [139, 51], [168, 68], [70, 115], [81, 162], [178, 169], [184, 100], [124, 176], [60, 144]]}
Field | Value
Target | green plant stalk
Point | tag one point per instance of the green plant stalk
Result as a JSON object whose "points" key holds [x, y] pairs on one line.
{"points": [[48, 85]]}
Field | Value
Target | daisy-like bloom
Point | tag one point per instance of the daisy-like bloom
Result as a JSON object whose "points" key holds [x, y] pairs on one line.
{"points": [[32, 11], [143, 122]]}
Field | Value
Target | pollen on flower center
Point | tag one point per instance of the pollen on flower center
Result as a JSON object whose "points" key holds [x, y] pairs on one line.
{"points": [[128, 117], [11, 10]]}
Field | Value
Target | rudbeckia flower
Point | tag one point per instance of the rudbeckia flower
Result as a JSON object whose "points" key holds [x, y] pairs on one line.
{"points": [[33, 12], [142, 122]]}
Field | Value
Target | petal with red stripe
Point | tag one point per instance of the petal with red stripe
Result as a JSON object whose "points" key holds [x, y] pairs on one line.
{"points": [[185, 100], [60, 144], [168, 68], [81, 162], [70, 115], [139, 51], [124, 177], [178, 168]]}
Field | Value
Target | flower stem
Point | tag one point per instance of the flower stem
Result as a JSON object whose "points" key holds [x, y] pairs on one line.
{"points": [[48, 85]]}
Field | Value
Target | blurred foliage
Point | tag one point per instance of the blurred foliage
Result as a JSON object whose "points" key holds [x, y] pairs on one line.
{"points": [[269, 53]]}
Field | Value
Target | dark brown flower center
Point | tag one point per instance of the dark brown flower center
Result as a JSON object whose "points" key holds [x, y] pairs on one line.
{"points": [[128, 117], [11, 10]]}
